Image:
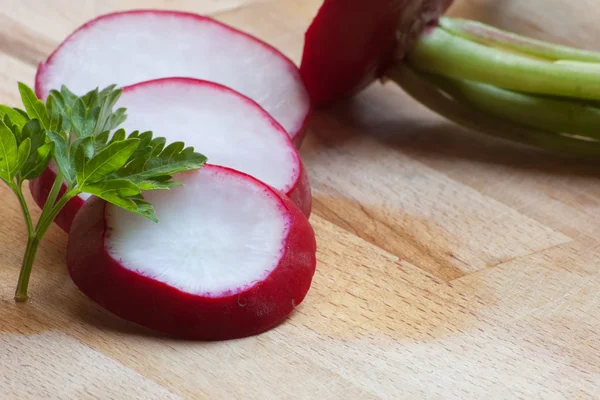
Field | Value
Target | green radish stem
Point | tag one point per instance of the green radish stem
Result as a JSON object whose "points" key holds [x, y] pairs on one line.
{"points": [[463, 114], [507, 85], [491, 36], [440, 52], [550, 114]]}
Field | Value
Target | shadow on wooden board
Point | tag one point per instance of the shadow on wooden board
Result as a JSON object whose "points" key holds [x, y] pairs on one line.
{"points": [[415, 131]]}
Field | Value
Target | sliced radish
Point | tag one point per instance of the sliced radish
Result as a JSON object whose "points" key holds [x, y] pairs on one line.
{"points": [[230, 129], [230, 257], [135, 46]]}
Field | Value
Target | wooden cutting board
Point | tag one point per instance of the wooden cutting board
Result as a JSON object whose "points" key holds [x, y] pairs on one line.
{"points": [[450, 265]]}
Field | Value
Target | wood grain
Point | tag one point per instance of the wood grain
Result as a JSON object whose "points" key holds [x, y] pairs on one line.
{"points": [[451, 265]]}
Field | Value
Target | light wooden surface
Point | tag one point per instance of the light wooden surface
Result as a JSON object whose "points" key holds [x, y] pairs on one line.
{"points": [[450, 265]]}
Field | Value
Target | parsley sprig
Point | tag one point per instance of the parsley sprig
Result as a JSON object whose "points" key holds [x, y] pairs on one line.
{"points": [[81, 136]]}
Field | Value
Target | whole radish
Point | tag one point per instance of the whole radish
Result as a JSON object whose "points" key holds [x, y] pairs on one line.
{"points": [[500, 83]]}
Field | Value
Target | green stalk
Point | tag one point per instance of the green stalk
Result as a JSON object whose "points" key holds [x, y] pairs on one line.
{"points": [[429, 95], [550, 114], [58, 181], [439, 52], [16, 188], [34, 240], [488, 35], [30, 250], [21, 292], [44, 224]]}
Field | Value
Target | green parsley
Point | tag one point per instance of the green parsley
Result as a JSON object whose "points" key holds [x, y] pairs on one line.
{"points": [[81, 135]]}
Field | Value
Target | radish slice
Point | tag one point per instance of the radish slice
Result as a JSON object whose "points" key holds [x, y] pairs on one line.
{"points": [[135, 46], [351, 42], [230, 257], [230, 129]]}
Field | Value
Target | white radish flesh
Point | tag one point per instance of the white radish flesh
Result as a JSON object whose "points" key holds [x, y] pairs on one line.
{"points": [[135, 46], [230, 129], [213, 238], [230, 257]]}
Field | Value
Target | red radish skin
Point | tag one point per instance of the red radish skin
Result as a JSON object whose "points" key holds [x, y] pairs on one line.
{"points": [[164, 308], [244, 63], [352, 42], [275, 155]]}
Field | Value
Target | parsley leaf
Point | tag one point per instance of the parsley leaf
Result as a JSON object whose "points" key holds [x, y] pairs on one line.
{"points": [[40, 153], [8, 153], [62, 156], [107, 161], [34, 107], [15, 116], [81, 135]]}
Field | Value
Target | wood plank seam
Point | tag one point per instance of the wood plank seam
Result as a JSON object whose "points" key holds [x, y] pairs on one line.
{"points": [[502, 262]]}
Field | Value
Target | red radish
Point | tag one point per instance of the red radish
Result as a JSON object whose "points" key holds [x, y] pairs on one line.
{"points": [[134, 46], [231, 130], [473, 74], [230, 257], [352, 42]]}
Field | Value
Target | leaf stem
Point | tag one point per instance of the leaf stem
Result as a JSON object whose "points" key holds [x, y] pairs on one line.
{"points": [[56, 186], [574, 117], [491, 36], [26, 214], [34, 240], [44, 224], [440, 52], [415, 84], [21, 292]]}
